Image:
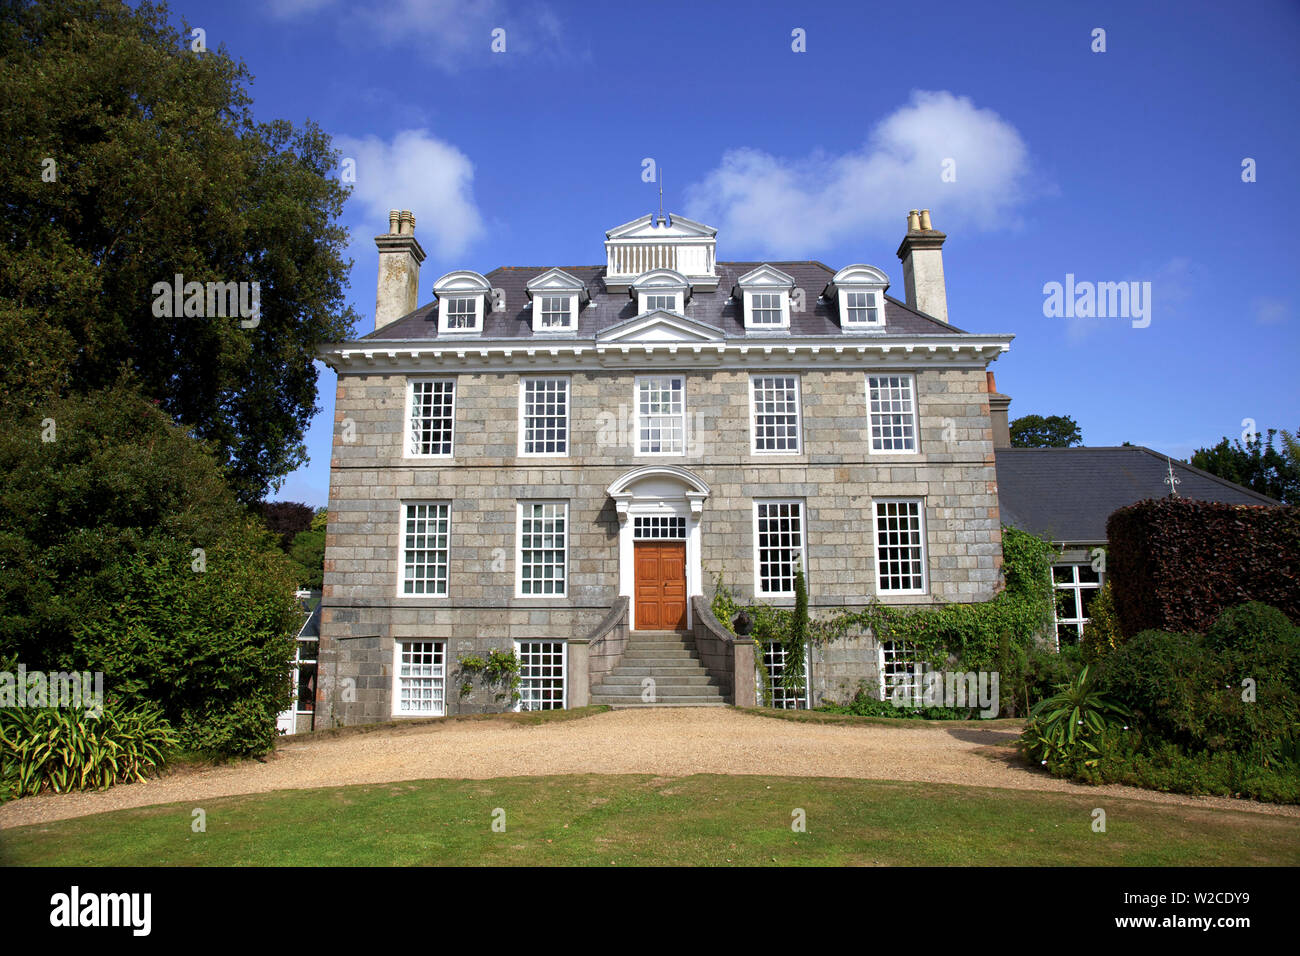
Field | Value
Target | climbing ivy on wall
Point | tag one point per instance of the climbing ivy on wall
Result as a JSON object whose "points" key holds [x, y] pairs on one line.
{"points": [[978, 636]]}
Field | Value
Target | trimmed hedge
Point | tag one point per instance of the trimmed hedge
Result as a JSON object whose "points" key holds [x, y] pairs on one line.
{"points": [[1176, 563]]}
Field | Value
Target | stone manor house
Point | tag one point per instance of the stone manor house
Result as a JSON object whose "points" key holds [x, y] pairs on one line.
{"points": [[561, 461]]}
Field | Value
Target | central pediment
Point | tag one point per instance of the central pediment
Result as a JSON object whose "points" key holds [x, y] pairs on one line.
{"points": [[659, 326]]}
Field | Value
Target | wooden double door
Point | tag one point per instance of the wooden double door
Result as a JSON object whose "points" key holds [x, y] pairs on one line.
{"points": [[660, 586]]}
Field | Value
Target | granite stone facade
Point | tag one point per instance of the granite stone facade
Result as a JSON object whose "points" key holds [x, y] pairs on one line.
{"points": [[834, 477]]}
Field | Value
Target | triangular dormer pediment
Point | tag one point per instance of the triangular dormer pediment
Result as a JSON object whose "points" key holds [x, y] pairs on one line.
{"points": [[765, 277], [669, 227], [660, 326], [556, 282]]}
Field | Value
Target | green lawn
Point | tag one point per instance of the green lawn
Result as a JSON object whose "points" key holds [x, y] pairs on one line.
{"points": [[626, 820]]}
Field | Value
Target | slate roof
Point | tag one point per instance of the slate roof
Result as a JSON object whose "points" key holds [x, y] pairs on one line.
{"points": [[1068, 493], [716, 308]]}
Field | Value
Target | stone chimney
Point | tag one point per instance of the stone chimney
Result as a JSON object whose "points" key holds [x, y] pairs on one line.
{"points": [[922, 256], [998, 406], [400, 256]]}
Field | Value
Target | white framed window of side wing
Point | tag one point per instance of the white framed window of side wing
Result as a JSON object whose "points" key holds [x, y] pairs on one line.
{"points": [[862, 308], [425, 549], [430, 430], [779, 546], [767, 309], [419, 678], [660, 419], [900, 547], [542, 549], [460, 314], [775, 418], [891, 414], [544, 417]]}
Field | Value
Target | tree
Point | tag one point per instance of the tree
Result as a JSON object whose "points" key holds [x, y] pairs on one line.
{"points": [[128, 159], [123, 551], [1256, 464], [1054, 431], [308, 554], [286, 519]]}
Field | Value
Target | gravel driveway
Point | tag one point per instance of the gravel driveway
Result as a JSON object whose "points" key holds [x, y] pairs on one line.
{"points": [[666, 742]]}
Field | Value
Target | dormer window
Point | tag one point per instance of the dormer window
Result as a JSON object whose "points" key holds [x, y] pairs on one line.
{"points": [[462, 314], [765, 296], [462, 301], [557, 311], [767, 309], [862, 308], [557, 298], [667, 303], [661, 289], [859, 292]]}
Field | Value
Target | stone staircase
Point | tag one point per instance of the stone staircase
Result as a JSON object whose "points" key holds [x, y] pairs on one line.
{"points": [[669, 658]]}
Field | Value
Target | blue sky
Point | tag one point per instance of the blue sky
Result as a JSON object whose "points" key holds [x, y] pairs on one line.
{"points": [[1123, 165]]}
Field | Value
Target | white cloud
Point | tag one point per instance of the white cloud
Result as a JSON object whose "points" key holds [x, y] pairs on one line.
{"points": [[1271, 311], [450, 34], [419, 172], [799, 205]]}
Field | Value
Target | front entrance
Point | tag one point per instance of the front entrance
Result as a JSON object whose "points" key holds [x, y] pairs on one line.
{"points": [[660, 586]]}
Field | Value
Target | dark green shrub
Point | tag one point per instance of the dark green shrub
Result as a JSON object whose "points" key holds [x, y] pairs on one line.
{"points": [[1164, 679], [1175, 563], [65, 749]]}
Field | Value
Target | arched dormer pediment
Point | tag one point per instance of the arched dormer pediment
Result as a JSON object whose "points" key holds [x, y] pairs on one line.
{"points": [[860, 275], [462, 300], [462, 282], [665, 289]]}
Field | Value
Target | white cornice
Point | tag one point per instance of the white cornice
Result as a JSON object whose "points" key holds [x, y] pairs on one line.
{"points": [[400, 357]]}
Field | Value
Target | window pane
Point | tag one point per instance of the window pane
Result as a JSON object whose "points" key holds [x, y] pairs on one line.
{"points": [[542, 538], [425, 549], [900, 548], [780, 545], [546, 416], [776, 413], [432, 414], [892, 413], [661, 407]]}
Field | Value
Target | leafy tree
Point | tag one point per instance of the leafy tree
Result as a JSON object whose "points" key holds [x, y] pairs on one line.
{"points": [[122, 550], [286, 519], [127, 158], [1054, 431], [308, 553], [1256, 464]]}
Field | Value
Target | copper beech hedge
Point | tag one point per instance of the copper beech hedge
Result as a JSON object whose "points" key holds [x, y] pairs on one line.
{"points": [[1174, 563]]}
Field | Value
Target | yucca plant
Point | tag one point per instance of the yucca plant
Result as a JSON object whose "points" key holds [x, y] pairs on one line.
{"points": [[1067, 724], [64, 750]]}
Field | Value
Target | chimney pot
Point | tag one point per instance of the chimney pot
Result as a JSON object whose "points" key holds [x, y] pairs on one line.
{"points": [[925, 220], [394, 217], [913, 221]]}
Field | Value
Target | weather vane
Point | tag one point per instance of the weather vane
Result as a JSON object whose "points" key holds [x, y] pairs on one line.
{"points": [[1172, 480]]}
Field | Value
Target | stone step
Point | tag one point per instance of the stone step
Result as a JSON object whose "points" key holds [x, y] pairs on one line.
{"points": [[684, 669], [660, 637], [661, 680], [653, 653], [662, 700]]}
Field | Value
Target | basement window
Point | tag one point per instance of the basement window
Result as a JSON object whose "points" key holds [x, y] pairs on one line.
{"points": [[541, 675]]}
